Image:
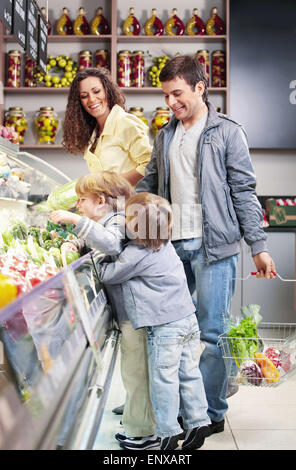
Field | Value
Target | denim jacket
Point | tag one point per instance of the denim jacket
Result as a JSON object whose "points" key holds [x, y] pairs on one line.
{"points": [[226, 185], [149, 286]]}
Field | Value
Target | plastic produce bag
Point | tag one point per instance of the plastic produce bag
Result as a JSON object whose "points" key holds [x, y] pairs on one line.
{"points": [[64, 197]]}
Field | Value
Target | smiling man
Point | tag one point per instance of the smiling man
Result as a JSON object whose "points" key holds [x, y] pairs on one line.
{"points": [[201, 164]]}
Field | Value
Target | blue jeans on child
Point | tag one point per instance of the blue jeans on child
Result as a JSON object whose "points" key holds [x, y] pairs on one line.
{"points": [[175, 379], [214, 284]]}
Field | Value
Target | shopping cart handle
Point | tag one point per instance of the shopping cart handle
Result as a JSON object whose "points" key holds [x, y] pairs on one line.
{"points": [[253, 273]]}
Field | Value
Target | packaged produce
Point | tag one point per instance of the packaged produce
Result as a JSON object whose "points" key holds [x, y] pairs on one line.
{"points": [[99, 24], [131, 26], [243, 338], [14, 69], [195, 26], [154, 26], [9, 133], [268, 369], [252, 372], [15, 117], [46, 124], [4, 166], [174, 26], [215, 25], [63, 197], [81, 26], [64, 24]]}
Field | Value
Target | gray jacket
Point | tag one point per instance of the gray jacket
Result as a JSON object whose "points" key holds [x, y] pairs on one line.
{"points": [[226, 185], [150, 286]]}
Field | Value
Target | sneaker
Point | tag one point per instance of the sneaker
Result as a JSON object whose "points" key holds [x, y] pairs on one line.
{"points": [[171, 442], [120, 436], [196, 437], [118, 410], [216, 426], [140, 443]]}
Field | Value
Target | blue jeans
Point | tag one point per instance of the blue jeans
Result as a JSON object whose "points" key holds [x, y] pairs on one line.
{"points": [[214, 284], [175, 379]]}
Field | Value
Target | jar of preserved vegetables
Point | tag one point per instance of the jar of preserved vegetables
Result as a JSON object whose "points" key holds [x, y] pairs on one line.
{"points": [[203, 57], [218, 69], [16, 118], [124, 69], [138, 111], [161, 117], [14, 69], [102, 58], [84, 60], [46, 123], [29, 75], [138, 69]]}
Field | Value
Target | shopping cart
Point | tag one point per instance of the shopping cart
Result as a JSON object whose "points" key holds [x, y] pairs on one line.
{"points": [[274, 358]]}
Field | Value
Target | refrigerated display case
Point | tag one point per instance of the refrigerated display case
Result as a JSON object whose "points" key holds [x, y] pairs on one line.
{"points": [[58, 343]]}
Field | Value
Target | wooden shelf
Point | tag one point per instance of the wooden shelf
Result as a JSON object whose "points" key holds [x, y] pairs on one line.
{"points": [[146, 90], [70, 38], [41, 146], [173, 39]]}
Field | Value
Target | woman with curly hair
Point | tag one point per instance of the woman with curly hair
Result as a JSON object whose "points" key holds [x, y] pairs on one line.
{"points": [[97, 125]]}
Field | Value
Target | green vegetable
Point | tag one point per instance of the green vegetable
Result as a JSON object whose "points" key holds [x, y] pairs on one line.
{"points": [[58, 241], [44, 236], [55, 252], [19, 230], [63, 197], [71, 256], [35, 232], [64, 230], [7, 237], [243, 339]]}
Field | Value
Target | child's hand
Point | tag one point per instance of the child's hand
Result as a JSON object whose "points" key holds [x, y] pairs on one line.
{"points": [[66, 217], [68, 246]]}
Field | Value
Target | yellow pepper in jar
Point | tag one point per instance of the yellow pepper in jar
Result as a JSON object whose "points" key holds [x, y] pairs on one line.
{"points": [[46, 124]]}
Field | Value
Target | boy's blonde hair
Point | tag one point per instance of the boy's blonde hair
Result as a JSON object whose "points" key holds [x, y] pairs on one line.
{"points": [[115, 188], [149, 220]]}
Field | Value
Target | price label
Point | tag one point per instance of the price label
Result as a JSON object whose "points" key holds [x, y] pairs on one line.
{"points": [[19, 21], [42, 43], [31, 33], [6, 14]]}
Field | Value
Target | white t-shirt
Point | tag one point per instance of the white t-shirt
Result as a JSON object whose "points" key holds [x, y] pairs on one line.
{"points": [[183, 156]]}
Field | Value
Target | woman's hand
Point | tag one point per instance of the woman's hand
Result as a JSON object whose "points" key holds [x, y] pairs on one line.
{"points": [[66, 217], [68, 246]]}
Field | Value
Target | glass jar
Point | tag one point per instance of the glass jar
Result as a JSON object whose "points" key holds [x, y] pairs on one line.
{"points": [[124, 69], [14, 69], [138, 111], [84, 60], [138, 69], [16, 118], [29, 75], [218, 69], [102, 58], [161, 117], [203, 57], [46, 123]]}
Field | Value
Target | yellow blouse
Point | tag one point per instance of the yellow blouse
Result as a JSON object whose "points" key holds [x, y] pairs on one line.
{"points": [[122, 146]]}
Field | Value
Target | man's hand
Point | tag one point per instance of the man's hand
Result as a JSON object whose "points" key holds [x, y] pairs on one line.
{"points": [[265, 265], [66, 217]]}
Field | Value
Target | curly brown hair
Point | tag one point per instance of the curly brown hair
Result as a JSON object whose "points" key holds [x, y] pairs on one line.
{"points": [[78, 124]]}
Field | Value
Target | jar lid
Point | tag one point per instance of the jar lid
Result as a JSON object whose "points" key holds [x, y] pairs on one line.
{"points": [[84, 53], [163, 108], [101, 50], [136, 108], [15, 108], [203, 51], [124, 52], [14, 52], [46, 108], [138, 52]]}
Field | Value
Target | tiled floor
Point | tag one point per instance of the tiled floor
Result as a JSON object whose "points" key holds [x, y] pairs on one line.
{"points": [[257, 419]]}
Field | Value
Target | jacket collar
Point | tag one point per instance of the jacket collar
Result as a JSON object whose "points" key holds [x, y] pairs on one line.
{"points": [[212, 121], [110, 124]]}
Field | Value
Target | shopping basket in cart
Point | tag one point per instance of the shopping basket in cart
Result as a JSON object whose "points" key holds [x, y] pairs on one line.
{"points": [[273, 354]]}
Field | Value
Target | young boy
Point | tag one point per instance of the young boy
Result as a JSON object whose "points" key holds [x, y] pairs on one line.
{"points": [[149, 282], [101, 226]]}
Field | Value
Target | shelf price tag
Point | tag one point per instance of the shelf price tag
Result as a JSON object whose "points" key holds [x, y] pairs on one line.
{"points": [[31, 33], [42, 43], [19, 21], [6, 14]]}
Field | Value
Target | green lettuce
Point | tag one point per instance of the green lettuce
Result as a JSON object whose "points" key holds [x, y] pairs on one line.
{"points": [[64, 197]]}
